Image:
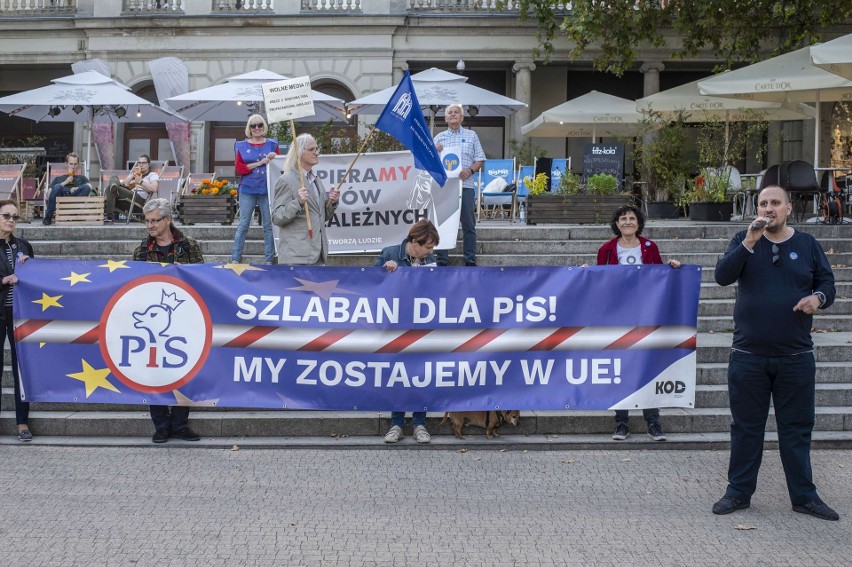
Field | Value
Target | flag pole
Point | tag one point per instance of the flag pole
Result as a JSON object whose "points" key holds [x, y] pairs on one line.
{"points": [[301, 175], [360, 151]]}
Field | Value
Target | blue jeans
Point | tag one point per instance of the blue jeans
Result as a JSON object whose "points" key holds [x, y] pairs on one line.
{"points": [[247, 204], [790, 382], [468, 224], [417, 418], [22, 408], [81, 191]]}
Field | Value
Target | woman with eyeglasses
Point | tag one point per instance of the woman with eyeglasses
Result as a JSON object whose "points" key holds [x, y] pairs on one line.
{"points": [[252, 155], [14, 251], [630, 249]]}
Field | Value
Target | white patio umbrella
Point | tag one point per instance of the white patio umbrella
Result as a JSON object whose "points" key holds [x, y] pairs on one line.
{"points": [[85, 97], [789, 78], [435, 90], [591, 115], [241, 96], [834, 56], [696, 107]]}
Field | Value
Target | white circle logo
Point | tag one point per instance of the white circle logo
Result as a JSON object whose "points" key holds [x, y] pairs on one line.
{"points": [[155, 334]]}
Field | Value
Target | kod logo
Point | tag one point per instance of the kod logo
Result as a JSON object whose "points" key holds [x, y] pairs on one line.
{"points": [[670, 387], [451, 162], [155, 334]]}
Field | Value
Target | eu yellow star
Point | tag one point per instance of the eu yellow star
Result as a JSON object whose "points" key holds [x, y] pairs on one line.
{"points": [[113, 265], [48, 301], [240, 268], [76, 278], [93, 378]]}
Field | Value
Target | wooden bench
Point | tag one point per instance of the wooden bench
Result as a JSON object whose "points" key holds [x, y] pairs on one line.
{"points": [[80, 210]]}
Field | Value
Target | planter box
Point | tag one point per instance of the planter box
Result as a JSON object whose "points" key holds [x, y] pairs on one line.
{"points": [[663, 210], [207, 208], [711, 211], [572, 209]]}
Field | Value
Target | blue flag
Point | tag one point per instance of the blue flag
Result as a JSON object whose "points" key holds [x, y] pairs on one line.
{"points": [[403, 119]]}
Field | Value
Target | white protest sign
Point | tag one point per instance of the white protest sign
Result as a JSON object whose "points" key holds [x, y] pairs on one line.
{"points": [[288, 99]]}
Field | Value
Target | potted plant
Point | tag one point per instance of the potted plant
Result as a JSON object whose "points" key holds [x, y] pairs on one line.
{"points": [[595, 203], [214, 200], [707, 198], [665, 159]]}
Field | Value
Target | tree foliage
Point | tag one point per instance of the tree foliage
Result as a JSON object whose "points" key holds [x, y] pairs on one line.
{"points": [[613, 31]]}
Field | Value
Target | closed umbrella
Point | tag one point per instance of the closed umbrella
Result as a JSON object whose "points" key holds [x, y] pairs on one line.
{"points": [[241, 96], [589, 116], [85, 97]]}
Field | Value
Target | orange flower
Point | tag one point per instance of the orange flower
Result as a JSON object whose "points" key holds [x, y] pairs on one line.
{"points": [[233, 191], [205, 182]]}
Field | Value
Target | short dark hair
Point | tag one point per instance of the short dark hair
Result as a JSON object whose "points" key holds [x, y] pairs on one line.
{"points": [[146, 156], [5, 202], [423, 232], [623, 210]]}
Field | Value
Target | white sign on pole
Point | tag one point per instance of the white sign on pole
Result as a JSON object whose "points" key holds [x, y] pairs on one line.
{"points": [[288, 99]]}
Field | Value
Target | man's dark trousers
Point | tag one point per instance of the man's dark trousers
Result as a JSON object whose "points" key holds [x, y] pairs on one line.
{"points": [[790, 381]]}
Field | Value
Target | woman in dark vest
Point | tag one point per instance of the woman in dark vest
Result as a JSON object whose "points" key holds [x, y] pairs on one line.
{"points": [[12, 251]]}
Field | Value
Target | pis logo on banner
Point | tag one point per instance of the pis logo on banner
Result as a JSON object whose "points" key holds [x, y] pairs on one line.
{"points": [[155, 334]]}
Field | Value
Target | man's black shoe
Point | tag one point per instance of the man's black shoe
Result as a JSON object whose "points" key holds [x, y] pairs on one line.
{"points": [[817, 508], [470, 263], [47, 221], [160, 436], [728, 504], [186, 434]]}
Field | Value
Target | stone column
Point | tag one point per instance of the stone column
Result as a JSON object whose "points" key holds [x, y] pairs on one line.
{"points": [[651, 71], [523, 92]]}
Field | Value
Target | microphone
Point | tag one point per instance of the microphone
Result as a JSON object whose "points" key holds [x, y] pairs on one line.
{"points": [[759, 223]]}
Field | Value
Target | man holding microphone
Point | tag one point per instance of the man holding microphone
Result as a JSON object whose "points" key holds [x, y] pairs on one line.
{"points": [[783, 277]]}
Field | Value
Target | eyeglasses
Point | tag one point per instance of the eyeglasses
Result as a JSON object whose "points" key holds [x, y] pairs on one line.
{"points": [[152, 222], [143, 162], [776, 256], [11, 217], [256, 125], [315, 149]]}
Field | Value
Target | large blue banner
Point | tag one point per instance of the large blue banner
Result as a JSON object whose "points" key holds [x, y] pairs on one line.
{"points": [[357, 338]]}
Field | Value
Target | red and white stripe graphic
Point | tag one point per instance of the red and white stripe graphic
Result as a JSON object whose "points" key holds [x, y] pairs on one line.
{"points": [[416, 341]]}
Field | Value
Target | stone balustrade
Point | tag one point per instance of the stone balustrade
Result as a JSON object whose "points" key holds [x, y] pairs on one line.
{"points": [[37, 7]]}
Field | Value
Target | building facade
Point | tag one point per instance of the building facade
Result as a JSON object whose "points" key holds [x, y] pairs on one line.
{"points": [[349, 48]]}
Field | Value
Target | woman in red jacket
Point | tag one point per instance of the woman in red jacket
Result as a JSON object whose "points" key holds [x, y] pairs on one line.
{"points": [[629, 248]]}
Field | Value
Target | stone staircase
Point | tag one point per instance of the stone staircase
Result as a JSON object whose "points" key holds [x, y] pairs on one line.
{"points": [[500, 244]]}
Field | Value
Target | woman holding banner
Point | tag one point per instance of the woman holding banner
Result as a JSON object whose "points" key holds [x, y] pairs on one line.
{"points": [[628, 248], [14, 251], [302, 207], [251, 158], [415, 251]]}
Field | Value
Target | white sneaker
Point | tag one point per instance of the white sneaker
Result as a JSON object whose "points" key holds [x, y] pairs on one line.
{"points": [[394, 435], [421, 435]]}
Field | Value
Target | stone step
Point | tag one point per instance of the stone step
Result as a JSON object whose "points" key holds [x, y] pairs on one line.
{"points": [[706, 396], [716, 373], [655, 230], [823, 322], [725, 307], [280, 423]]}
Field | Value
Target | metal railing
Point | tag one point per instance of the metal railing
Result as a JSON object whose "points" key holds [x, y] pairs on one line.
{"points": [[37, 7]]}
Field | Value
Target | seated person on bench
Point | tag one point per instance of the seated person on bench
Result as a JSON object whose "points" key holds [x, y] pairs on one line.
{"points": [[71, 185], [141, 182]]}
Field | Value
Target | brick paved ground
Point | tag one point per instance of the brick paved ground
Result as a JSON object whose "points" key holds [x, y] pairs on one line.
{"points": [[177, 506]]}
